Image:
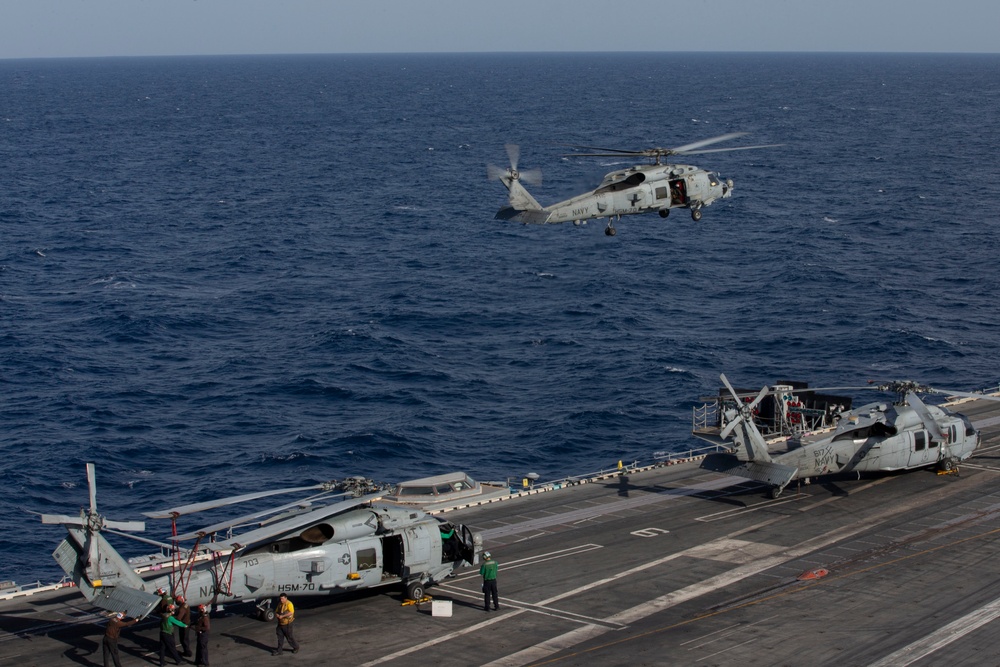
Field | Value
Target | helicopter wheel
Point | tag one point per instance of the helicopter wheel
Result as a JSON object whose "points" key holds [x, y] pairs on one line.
{"points": [[414, 590], [947, 464], [266, 615], [775, 492], [610, 231], [664, 212], [696, 214]]}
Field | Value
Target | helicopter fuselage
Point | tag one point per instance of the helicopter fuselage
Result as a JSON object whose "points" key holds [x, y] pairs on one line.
{"points": [[638, 189], [880, 437]]}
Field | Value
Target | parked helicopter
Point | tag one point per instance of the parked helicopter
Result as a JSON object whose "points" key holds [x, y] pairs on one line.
{"points": [[638, 189], [877, 436], [321, 545]]}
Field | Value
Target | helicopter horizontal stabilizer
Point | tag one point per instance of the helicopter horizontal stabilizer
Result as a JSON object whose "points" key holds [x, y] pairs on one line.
{"points": [[527, 216], [773, 474]]}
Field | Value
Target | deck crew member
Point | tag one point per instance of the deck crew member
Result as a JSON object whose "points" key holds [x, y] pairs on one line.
{"points": [[202, 627], [183, 614], [167, 625], [285, 614], [488, 570], [111, 633], [165, 600]]}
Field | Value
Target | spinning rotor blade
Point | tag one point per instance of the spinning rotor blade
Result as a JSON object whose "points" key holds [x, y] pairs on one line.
{"points": [[707, 142], [513, 153], [597, 148], [494, 172], [925, 416], [530, 176], [726, 150], [222, 502]]}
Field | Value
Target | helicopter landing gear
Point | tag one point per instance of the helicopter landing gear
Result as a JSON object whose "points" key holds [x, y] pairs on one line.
{"points": [[264, 611], [414, 590], [664, 212], [610, 229], [948, 466], [696, 214]]}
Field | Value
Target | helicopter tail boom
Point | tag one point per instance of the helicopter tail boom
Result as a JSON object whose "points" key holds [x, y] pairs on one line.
{"points": [[770, 473]]}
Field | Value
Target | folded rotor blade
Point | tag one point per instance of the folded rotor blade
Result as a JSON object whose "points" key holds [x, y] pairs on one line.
{"points": [[222, 502], [925, 416], [965, 394]]}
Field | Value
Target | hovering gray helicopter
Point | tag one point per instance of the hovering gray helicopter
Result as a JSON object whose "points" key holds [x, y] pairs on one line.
{"points": [[874, 437], [638, 189], [309, 547]]}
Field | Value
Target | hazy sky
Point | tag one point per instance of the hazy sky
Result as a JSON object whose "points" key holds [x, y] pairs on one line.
{"points": [[59, 28]]}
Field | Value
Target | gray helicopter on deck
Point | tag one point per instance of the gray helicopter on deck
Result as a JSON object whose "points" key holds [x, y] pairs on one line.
{"points": [[325, 544], [881, 436], [641, 188]]}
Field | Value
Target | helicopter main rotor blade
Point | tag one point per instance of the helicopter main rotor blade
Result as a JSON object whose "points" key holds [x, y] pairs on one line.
{"points": [[222, 502], [925, 416], [725, 381], [707, 142], [598, 148], [726, 150], [964, 394]]}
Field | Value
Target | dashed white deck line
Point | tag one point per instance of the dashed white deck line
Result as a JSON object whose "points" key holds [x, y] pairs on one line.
{"points": [[954, 631]]}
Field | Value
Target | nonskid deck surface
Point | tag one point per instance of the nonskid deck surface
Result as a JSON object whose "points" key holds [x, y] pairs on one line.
{"points": [[669, 566]]}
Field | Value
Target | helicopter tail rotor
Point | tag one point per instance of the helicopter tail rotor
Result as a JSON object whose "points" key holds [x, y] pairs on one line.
{"points": [[750, 444], [512, 173]]}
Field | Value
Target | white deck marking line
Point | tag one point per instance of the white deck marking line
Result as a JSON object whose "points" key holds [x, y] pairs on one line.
{"points": [[443, 638], [540, 558], [942, 637], [641, 611], [567, 518]]}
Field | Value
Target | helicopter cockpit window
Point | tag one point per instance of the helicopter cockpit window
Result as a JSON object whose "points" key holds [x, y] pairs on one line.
{"points": [[919, 441], [713, 178], [661, 193], [416, 491]]}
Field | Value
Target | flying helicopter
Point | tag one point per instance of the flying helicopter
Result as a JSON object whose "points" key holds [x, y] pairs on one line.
{"points": [[320, 545], [659, 186], [880, 436]]}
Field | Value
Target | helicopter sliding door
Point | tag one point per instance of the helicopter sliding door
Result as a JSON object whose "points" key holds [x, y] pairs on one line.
{"points": [[923, 450]]}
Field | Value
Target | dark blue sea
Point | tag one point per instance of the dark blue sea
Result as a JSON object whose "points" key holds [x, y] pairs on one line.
{"points": [[220, 275]]}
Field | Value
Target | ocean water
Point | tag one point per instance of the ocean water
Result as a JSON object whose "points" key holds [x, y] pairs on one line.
{"points": [[220, 275]]}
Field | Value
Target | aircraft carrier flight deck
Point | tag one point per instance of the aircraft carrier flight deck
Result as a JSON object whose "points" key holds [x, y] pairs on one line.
{"points": [[672, 565]]}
